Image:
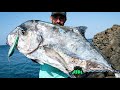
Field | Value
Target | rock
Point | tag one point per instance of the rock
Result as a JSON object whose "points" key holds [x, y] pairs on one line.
{"points": [[108, 42]]}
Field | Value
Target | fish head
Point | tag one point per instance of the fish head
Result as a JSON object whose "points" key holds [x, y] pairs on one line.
{"points": [[28, 35]]}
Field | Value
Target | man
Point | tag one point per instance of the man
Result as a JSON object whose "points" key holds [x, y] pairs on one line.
{"points": [[47, 71], [58, 18]]}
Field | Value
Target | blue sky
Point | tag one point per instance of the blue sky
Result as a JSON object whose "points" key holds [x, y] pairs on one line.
{"points": [[95, 21]]}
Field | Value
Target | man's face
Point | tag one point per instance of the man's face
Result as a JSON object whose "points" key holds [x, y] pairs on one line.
{"points": [[58, 20]]}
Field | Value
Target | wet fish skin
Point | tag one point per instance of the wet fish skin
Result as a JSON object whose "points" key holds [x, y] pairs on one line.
{"points": [[60, 46]]}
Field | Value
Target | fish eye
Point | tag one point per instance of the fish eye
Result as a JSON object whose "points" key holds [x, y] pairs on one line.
{"points": [[23, 32]]}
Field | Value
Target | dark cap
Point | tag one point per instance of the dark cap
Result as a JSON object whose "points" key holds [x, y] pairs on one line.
{"points": [[58, 13]]}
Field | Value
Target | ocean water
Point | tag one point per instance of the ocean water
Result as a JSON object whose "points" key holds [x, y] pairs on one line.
{"points": [[18, 66]]}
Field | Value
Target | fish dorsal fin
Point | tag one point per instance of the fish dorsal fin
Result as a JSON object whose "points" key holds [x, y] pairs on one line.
{"points": [[81, 29]]}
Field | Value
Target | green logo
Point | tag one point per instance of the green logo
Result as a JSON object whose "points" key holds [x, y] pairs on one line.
{"points": [[77, 72]]}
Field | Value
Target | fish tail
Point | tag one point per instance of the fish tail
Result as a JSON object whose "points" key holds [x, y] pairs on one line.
{"points": [[117, 75]]}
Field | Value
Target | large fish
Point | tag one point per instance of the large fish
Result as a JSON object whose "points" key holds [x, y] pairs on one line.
{"points": [[62, 47]]}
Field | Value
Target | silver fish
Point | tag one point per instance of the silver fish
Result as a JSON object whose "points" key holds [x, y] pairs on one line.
{"points": [[63, 47]]}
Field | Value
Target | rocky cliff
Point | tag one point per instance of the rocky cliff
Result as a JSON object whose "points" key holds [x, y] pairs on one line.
{"points": [[108, 42]]}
